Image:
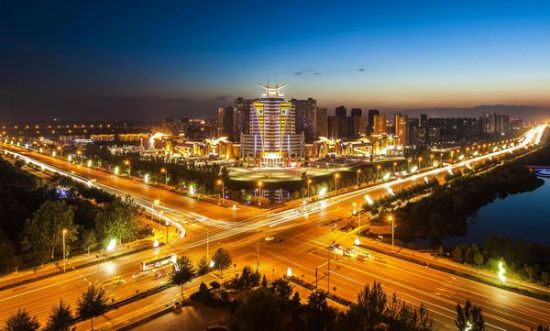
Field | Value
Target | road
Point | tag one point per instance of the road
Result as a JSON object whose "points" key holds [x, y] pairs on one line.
{"points": [[239, 231]]}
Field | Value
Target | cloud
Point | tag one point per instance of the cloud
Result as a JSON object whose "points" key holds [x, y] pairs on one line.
{"points": [[307, 72], [361, 69]]}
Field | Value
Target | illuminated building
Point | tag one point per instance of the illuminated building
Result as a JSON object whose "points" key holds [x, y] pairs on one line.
{"points": [[380, 125], [272, 141], [401, 129]]}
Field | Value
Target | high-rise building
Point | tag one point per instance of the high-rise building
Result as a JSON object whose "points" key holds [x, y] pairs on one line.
{"points": [[272, 141], [380, 125], [340, 111], [494, 124], [356, 123], [306, 122], [401, 129], [322, 123], [241, 117], [372, 113], [226, 123], [413, 135]]}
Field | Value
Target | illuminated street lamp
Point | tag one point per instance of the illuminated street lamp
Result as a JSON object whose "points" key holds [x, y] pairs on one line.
{"points": [[117, 170], [308, 183], [165, 172], [64, 232], [391, 219], [357, 241], [129, 164], [357, 176], [336, 176], [419, 162], [222, 192], [378, 167], [394, 167]]}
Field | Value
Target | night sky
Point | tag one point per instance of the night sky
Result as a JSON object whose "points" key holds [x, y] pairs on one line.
{"points": [[138, 60]]}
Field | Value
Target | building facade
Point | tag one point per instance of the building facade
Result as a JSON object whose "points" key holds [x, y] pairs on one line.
{"points": [[272, 141]]}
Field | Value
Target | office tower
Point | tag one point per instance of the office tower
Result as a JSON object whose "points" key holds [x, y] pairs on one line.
{"points": [[226, 122], [401, 123], [380, 125], [413, 136], [356, 125], [272, 141], [306, 112], [495, 124], [241, 117], [372, 113], [322, 123]]}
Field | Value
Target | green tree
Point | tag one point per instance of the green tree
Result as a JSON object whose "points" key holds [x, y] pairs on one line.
{"points": [[260, 311], [61, 318], [264, 281], [371, 305], [320, 315], [45, 229], [22, 321], [119, 220], [222, 260], [457, 255], [183, 272], [202, 267], [282, 289], [92, 303], [89, 240], [469, 317]]}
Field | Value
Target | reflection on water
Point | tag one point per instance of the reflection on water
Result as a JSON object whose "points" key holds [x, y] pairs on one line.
{"points": [[524, 216]]}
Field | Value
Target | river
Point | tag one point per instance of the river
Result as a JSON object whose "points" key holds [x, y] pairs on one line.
{"points": [[524, 216]]}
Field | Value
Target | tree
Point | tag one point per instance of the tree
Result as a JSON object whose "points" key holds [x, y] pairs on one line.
{"points": [[260, 311], [183, 272], [61, 318], [222, 260], [282, 289], [371, 305], [119, 220], [247, 279], [202, 267], [320, 315], [264, 281], [457, 255], [44, 230], [469, 317], [89, 240], [92, 303], [22, 321]]}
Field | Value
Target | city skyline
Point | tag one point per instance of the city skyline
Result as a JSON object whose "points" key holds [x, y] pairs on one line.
{"points": [[186, 60]]}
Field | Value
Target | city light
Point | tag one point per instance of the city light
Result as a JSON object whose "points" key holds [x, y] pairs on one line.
{"points": [[289, 272], [501, 272], [369, 200], [111, 246]]}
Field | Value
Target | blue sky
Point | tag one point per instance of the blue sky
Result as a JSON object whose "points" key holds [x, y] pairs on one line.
{"points": [[119, 58]]}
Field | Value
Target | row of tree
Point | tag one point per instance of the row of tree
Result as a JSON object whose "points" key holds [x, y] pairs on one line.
{"points": [[92, 304]]}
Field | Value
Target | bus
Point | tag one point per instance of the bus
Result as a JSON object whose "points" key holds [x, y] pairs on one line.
{"points": [[158, 262]]}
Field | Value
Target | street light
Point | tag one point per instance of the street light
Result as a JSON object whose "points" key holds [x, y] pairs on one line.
{"points": [[391, 219], [308, 182], [127, 162], [357, 177], [64, 232], [260, 184], [378, 167], [165, 172], [336, 176], [222, 192]]}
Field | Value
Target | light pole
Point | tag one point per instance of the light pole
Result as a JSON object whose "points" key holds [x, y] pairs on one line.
{"points": [[394, 167], [260, 184], [222, 192], [155, 203], [336, 176], [127, 162], [378, 172], [357, 177], [308, 182], [357, 241], [165, 172], [64, 232], [258, 260], [419, 162], [167, 226], [207, 244], [391, 219]]}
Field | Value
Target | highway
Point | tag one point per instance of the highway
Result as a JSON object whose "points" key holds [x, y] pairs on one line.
{"points": [[303, 249]]}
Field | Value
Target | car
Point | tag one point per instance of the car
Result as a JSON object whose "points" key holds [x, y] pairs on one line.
{"points": [[269, 238], [349, 252]]}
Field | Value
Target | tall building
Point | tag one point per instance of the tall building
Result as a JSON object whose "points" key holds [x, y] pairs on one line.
{"points": [[241, 117], [306, 122], [356, 123], [322, 123], [372, 113], [494, 124], [401, 129], [380, 125], [226, 122], [272, 141], [338, 124]]}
